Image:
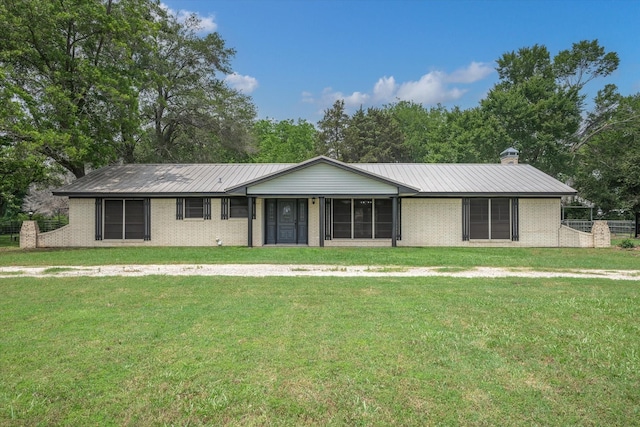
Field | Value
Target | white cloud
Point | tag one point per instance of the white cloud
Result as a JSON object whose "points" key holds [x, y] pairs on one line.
{"points": [[244, 84], [385, 88], [432, 88], [474, 72], [356, 99], [207, 24]]}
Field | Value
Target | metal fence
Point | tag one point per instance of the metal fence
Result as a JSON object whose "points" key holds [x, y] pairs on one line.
{"points": [[13, 227], [615, 226]]}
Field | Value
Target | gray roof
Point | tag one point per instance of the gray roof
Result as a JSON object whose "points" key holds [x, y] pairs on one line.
{"points": [[171, 180]]}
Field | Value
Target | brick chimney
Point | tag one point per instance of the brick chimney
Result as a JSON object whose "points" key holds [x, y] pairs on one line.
{"points": [[509, 156]]}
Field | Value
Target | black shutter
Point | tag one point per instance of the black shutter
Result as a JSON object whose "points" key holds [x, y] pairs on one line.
{"points": [[147, 219], [207, 208], [466, 208], [515, 219], [253, 207], [98, 219], [179, 208], [327, 219], [224, 211]]}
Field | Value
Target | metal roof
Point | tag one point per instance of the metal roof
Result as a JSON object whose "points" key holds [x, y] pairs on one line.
{"points": [[429, 179]]}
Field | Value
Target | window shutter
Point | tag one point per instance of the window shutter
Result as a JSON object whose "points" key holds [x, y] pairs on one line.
{"points": [[179, 208], [327, 219], [224, 214], [253, 208], [207, 208], [466, 208], [515, 219], [98, 219], [147, 219]]}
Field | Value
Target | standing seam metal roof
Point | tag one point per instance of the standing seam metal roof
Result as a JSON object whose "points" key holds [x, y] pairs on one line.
{"points": [[431, 179]]}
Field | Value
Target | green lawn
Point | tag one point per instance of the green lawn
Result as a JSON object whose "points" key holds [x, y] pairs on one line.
{"points": [[319, 351], [609, 258]]}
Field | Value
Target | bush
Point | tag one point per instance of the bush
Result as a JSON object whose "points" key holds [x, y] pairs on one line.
{"points": [[627, 244]]}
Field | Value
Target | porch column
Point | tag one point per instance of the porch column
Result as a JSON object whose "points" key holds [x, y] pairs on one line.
{"points": [[250, 222], [394, 221], [322, 222]]}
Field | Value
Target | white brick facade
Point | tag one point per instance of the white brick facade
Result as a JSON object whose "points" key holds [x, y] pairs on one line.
{"points": [[424, 221]]}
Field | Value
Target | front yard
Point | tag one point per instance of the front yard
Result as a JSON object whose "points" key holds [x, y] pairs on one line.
{"points": [[319, 351]]}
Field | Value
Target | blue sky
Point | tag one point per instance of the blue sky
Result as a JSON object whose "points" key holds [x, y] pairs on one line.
{"points": [[295, 58]]}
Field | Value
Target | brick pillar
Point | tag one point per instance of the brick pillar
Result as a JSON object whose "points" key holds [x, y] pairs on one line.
{"points": [[29, 235], [601, 234]]}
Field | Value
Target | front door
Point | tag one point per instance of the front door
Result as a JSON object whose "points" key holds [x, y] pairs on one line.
{"points": [[286, 221]]}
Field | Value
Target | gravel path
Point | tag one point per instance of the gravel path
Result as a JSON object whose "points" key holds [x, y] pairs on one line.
{"points": [[262, 270]]}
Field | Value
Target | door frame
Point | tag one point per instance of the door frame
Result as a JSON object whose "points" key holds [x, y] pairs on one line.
{"points": [[271, 216]]}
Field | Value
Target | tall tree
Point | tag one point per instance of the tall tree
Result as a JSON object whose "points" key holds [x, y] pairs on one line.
{"points": [[374, 137], [192, 114], [538, 101], [68, 67], [331, 131]]}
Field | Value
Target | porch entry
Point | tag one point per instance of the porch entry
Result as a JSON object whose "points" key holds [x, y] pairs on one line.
{"points": [[286, 221]]}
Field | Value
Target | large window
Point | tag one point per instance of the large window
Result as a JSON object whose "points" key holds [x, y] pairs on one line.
{"points": [[489, 219], [361, 218], [124, 219]]}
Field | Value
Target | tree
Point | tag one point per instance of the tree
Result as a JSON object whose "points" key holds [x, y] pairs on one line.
{"points": [[609, 165], [331, 131], [374, 137], [538, 102], [68, 69], [432, 135], [283, 142], [190, 113]]}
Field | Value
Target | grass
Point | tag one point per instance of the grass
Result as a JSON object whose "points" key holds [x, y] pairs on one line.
{"points": [[319, 351], [608, 258]]}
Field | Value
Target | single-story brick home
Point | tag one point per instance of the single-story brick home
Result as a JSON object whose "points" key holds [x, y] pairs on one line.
{"points": [[319, 202]]}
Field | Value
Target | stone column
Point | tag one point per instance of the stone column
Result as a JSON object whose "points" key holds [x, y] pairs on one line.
{"points": [[601, 234], [29, 235]]}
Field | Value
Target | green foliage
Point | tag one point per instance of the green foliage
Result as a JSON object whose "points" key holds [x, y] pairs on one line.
{"points": [[330, 139], [189, 113], [374, 137], [283, 141], [609, 161], [69, 75], [627, 244]]}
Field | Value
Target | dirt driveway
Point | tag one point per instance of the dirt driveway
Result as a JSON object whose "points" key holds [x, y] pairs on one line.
{"points": [[262, 270]]}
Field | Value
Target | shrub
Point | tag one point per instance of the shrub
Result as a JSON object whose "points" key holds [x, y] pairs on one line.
{"points": [[627, 244]]}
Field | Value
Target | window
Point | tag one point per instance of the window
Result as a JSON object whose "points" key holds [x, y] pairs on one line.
{"points": [[384, 220], [489, 219], [194, 208], [124, 218], [360, 218], [342, 218], [238, 207]]}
